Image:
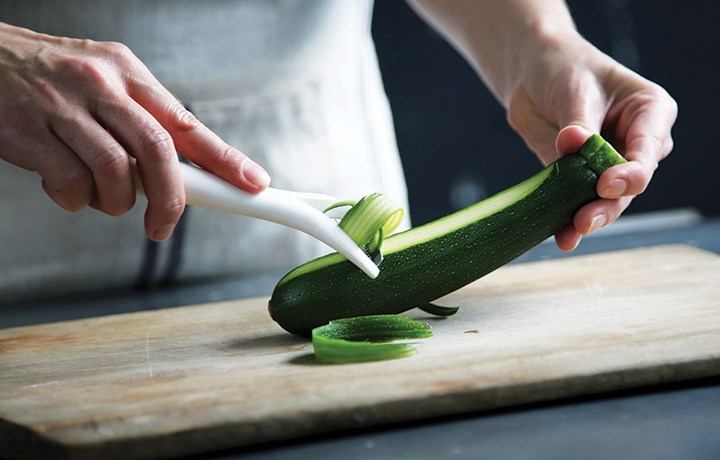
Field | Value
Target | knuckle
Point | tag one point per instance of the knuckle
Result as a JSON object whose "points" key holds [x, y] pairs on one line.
{"points": [[72, 120], [176, 205], [86, 69], [71, 190], [514, 118], [228, 154], [183, 120], [157, 143], [668, 147], [661, 96], [172, 207], [117, 51], [654, 147], [77, 179], [230, 159], [672, 103], [112, 53], [112, 163], [99, 64]]}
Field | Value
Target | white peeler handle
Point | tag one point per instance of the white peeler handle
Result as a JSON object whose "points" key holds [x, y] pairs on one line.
{"points": [[205, 190]]}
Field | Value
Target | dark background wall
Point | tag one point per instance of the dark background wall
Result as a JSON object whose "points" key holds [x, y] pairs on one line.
{"points": [[457, 147]]}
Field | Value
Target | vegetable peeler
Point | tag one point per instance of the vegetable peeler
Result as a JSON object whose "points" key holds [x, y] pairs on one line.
{"points": [[298, 210]]}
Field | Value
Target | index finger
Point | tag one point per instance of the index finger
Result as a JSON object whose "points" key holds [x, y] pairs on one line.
{"points": [[197, 142], [643, 130], [205, 148]]}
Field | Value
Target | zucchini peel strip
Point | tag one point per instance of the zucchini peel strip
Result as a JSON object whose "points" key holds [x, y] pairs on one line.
{"points": [[367, 338]]}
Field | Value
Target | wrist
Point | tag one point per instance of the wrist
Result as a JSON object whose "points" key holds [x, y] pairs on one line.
{"points": [[542, 38]]}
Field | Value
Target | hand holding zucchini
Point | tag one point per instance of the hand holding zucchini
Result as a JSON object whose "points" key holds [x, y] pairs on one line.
{"points": [[435, 259]]}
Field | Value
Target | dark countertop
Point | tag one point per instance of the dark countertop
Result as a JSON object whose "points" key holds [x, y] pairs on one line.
{"points": [[671, 421]]}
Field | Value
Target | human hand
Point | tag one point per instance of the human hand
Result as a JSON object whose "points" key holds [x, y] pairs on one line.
{"points": [[76, 111], [569, 90]]}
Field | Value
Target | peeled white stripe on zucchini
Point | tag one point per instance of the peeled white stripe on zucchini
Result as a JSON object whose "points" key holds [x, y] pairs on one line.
{"points": [[435, 259]]}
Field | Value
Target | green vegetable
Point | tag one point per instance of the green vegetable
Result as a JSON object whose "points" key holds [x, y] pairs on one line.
{"points": [[365, 338], [435, 259]]}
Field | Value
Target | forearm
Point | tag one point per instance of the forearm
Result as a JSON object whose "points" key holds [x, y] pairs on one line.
{"points": [[497, 36]]}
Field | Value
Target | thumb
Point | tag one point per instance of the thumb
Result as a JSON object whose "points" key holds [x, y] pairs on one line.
{"points": [[580, 113], [571, 138]]}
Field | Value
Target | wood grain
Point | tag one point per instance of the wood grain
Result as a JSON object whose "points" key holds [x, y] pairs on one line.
{"points": [[193, 379]]}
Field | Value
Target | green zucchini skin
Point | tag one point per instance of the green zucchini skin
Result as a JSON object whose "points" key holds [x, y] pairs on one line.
{"points": [[421, 273]]}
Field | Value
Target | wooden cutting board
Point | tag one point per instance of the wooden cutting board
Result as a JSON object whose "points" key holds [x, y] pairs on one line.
{"points": [[198, 378]]}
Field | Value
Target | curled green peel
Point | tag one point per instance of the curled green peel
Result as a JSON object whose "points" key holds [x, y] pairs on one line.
{"points": [[370, 218], [367, 338]]}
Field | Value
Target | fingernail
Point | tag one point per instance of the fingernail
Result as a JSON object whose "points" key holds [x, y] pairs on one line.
{"points": [[577, 243], [163, 233], [255, 174], [597, 223], [615, 188]]}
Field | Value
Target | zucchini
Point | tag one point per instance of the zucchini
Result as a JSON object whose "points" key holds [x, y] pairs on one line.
{"points": [[435, 259]]}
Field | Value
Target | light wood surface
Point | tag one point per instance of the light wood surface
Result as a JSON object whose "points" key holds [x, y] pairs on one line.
{"points": [[192, 379]]}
